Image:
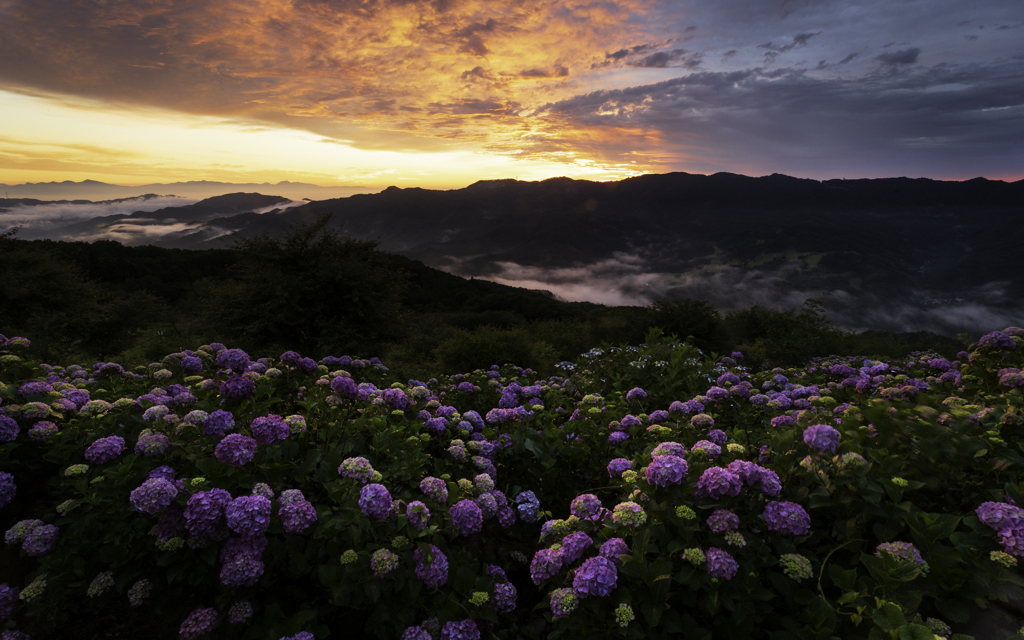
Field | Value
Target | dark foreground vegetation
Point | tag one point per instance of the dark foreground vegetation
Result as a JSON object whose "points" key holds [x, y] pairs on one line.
{"points": [[318, 292]]}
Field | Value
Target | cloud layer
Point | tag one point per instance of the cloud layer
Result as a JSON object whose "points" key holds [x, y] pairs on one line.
{"points": [[626, 280], [815, 88]]}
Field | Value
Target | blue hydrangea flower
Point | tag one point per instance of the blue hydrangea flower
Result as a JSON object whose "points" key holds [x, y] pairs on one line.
{"points": [[574, 545], [822, 438], [435, 489], [417, 514]]}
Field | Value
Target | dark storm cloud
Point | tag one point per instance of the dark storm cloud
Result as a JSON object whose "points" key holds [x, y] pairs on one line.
{"points": [[673, 58], [903, 56], [900, 120]]}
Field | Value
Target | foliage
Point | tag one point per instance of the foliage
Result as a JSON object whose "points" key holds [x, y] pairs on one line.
{"points": [[922, 443]]}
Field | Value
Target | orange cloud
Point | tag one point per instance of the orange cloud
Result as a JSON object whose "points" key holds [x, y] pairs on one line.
{"points": [[380, 74]]}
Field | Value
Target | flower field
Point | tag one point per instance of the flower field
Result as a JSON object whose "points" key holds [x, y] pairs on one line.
{"points": [[646, 492]]}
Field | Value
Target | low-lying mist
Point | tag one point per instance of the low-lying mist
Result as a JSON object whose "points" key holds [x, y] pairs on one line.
{"points": [[626, 280]]}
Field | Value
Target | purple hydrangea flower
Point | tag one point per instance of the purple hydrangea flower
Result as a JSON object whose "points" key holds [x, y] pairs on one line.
{"points": [[465, 630], [717, 436], [375, 501], [35, 387], [357, 468], [658, 416], [546, 564], [467, 517], [669, 449], [43, 431], [263, 489], [1001, 516], [297, 516], [197, 623], [711, 449], [666, 470], [9, 429], [783, 421], [234, 359], [153, 495], [904, 551], [105, 449], [237, 388], [417, 514], [727, 378], [573, 546], [587, 506], [720, 564], [8, 489], [488, 505], [435, 574], [40, 540], [996, 340], [269, 429], [191, 364], [503, 599], [79, 396], [248, 515], [396, 398], [435, 489], [787, 518], [170, 523], [617, 466], [239, 612], [241, 570], [617, 437], [345, 387], [218, 423], [152, 444], [597, 576], [822, 438], [204, 514], [614, 548], [717, 482], [715, 394], [723, 520], [8, 600], [636, 394], [702, 420], [236, 450], [415, 632]]}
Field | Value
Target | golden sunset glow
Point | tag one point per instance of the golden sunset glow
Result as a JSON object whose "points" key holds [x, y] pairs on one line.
{"points": [[445, 92]]}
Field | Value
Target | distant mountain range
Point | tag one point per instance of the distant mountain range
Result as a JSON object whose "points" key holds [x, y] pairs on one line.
{"points": [[886, 253], [92, 190]]}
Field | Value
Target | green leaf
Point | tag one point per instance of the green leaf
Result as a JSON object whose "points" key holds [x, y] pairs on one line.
{"points": [[932, 527], [844, 579], [534, 447], [915, 632], [819, 615]]}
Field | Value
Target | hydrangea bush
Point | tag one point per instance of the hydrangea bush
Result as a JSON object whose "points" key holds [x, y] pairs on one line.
{"points": [[651, 492]]}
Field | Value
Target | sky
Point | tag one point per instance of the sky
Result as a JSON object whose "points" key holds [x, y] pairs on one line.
{"points": [[442, 93]]}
